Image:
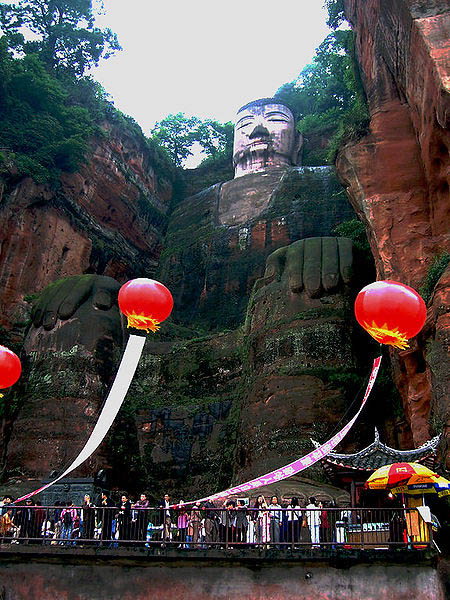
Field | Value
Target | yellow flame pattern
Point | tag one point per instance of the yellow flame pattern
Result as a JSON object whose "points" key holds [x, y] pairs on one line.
{"points": [[142, 322], [384, 335]]}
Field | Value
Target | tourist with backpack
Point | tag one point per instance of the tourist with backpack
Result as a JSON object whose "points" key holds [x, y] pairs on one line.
{"points": [[68, 516]]}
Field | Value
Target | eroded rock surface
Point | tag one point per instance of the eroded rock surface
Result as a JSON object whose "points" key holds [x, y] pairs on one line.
{"points": [[108, 218], [397, 179]]}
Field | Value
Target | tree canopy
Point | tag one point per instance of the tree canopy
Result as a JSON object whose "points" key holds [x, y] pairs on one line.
{"points": [[61, 32], [327, 98], [178, 134]]}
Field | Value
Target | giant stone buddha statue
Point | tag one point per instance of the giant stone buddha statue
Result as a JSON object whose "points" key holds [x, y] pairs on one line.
{"points": [[265, 136], [268, 230]]}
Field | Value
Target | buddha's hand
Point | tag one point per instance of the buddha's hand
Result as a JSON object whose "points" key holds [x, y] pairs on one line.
{"points": [[315, 266], [76, 295]]}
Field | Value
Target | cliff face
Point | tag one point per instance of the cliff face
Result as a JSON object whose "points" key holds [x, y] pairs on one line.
{"points": [[235, 404], [219, 239], [397, 179], [108, 218]]}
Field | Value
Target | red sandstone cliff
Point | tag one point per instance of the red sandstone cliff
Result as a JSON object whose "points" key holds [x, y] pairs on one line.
{"points": [[397, 179], [108, 218]]}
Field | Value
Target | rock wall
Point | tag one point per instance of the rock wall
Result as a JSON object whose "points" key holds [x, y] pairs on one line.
{"points": [[221, 580], [397, 180], [219, 239], [108, 218]]}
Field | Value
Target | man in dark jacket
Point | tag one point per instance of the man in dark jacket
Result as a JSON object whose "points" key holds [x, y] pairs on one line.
{"points": [[142, 517], [241, 522], [105, 514], [166, 516]]}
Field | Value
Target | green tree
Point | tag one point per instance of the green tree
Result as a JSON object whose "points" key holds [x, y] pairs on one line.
{"points": [[62, 32], [214, 137], [176, 133], [328, 98]]}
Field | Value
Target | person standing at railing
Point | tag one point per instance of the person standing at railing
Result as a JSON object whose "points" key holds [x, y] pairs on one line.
{"points": [[142, 517], [124, 518], [230, 522], [264, 521], [195, 519], [241, 522], [87, 526], [166, 516], [324, 524], [7, 526], [24, 519], [68, 516], [275, 520], [182, 524], [313, 519], [105, 514], [210, 523], [255, 515], [294, 515], [38, 519], [221, 521]]}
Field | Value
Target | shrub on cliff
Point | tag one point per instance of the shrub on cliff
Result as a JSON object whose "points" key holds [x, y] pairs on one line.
{"points": [[328, 99], [39, 131]]}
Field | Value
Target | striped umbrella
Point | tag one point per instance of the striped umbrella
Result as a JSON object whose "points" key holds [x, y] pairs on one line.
{"points": [[405, 475], [440, 486]]}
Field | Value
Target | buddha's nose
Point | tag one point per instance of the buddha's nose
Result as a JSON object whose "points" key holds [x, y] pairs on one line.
{"points": [[259, 131]]}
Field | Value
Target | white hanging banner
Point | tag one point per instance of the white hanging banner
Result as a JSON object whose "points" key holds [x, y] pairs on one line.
{"points": [[110, 409]]}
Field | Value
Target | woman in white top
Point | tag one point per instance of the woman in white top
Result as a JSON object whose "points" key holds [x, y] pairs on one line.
{"points": [[313, 518]]}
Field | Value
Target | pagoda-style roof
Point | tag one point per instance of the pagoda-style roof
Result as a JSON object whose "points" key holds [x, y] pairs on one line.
{"points": [[378, 454]]}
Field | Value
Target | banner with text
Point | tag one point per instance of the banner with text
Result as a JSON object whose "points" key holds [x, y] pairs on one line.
{"points": [[302, 463]]}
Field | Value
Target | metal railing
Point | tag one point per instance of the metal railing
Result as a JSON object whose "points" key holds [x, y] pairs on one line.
{"points": [[207, 527]]}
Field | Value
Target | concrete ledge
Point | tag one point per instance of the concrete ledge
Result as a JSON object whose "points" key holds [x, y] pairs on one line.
{"points": [[338, 558]]}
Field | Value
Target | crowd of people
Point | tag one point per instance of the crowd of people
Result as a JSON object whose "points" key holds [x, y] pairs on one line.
{"points": [[264, 523]]}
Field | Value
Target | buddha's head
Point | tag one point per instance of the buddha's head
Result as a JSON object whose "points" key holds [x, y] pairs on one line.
{"points": [[264, 136]]}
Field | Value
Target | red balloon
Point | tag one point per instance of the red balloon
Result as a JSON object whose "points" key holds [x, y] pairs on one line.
{"points": [[390, 312], [10, 368], [145, 303]]}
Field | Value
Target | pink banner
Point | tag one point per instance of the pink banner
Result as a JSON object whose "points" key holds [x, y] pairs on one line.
{"points": [[302, 463]]}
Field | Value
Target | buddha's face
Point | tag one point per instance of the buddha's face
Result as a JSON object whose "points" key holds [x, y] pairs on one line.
{"points": [[264, 136]]}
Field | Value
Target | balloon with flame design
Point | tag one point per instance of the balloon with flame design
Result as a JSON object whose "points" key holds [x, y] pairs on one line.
{"points": [[145, 303], [390, 312], [10, 368]]}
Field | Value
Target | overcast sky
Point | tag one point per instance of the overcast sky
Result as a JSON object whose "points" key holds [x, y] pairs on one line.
{"points": [[205, 57]]}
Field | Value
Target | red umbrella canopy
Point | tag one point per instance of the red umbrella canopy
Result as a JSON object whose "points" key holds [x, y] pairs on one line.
{"points": [[10, 367], [390, 312], [145, 302]]}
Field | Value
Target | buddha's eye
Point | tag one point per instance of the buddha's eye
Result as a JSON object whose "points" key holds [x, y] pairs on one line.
{"points": [[277, 117], [243, 124]]}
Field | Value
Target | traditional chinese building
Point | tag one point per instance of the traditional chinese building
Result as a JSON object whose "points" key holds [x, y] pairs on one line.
{"points": [[351, 471]]}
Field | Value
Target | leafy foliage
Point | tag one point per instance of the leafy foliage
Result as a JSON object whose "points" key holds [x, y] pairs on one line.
{"points": [[178, 133], [39, 131], [328, 99], [47, 119], [336, 14], [62, 33], [436, 269], [364, 265]]}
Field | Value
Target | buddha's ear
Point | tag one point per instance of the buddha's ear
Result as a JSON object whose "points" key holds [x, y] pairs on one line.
{"points": [[298, 149]]}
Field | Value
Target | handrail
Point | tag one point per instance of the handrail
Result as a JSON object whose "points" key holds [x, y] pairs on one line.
{"points": [[208, 526]]}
